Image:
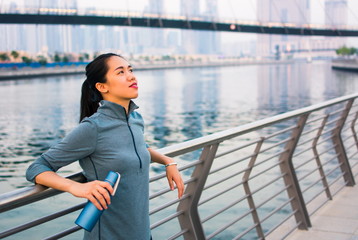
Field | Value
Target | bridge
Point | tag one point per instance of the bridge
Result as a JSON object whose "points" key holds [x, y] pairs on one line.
{"points": [[263, 180], [178, 22]]}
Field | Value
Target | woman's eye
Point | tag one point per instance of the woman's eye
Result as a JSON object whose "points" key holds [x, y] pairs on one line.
{"points": [[131, 70]]}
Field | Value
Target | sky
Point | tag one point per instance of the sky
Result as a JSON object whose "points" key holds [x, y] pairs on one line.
{"points": [[228, 9]]}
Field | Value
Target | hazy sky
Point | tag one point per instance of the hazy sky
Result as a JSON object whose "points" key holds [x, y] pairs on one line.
{"points": [[228, 9], [237, 9]]}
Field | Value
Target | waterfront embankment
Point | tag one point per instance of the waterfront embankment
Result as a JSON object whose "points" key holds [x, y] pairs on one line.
{"points": [[345, 64], [28, 72]]}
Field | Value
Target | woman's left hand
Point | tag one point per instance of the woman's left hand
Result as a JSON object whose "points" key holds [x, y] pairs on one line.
{"points": [[173, 176]]}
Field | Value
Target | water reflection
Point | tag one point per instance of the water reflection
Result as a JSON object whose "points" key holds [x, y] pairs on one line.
{"points": [[177, 105]]}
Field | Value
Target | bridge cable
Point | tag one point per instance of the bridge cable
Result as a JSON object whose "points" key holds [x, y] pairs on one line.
{"points": [[301, 12], [353, 13], [326, 15]]}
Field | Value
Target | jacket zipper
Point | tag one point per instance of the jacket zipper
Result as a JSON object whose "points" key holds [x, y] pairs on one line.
{"points": [[135, 146]]}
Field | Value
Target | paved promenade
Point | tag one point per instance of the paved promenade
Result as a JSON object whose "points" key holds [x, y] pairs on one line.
{"points": [[337, 220]]}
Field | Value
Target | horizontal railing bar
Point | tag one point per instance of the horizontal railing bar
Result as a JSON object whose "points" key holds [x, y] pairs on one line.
{"points": [[330, 160], [245, 232], [267, 184], [333, 121], [220, 193], [340, 188], [327, 150], [337, 111], [314, 197], [64, 233], [229, 224], [191, 145], [27, 195], [302, 151], [281, 222], [327, 138], [313, 184], [335, 180], [168, 204], [262, 172], [307, 174], [186, 166], [345, 138], [351, 156], [276, 144], [223, 179], [221, 154], [181, 233], [304, 163], [239, 172], [350, 146], [311, 130], [275, 195], [224, 209], [231, 164], [166, 190], [332, 170], [280, 132], [40, 221], [167, 219], [277, 209], [306, 141], [316, 118]]}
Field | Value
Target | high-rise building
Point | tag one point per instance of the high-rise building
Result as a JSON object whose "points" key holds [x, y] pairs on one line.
{"points": [[336, 15], [156, 35], [190, 38], [210, 43], [282, 11]]}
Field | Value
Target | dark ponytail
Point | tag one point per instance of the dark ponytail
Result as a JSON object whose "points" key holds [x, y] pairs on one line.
{"points": [[95, 72]]}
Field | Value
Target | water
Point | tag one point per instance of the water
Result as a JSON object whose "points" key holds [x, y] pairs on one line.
{"points": [[177, 105]]}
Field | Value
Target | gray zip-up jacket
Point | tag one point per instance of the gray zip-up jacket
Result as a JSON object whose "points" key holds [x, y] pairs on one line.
{"points": [[109, 140]]}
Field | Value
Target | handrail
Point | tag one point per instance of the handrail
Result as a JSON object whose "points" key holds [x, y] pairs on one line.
{"points": [[236, 153]]}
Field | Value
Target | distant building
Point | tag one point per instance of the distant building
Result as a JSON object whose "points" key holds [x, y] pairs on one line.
{"points": [[336, 15], [279, 12]]}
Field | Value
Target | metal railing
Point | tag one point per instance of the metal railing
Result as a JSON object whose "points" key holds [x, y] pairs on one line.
{"points": [[242, 183]]}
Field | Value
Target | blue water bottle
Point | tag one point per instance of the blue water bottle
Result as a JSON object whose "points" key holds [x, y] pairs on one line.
{"points": [[90, 214]]}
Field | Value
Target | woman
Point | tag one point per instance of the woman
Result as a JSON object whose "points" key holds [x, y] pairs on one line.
{"points": [[108, 138]]}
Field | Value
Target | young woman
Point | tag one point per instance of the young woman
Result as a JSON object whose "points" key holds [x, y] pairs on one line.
{"points": [[108, 138]]}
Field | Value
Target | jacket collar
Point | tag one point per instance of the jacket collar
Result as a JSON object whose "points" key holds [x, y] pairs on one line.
{"points": [[115, 110]]}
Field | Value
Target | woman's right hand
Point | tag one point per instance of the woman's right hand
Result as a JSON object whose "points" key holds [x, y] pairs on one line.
{"points": [[98, 192]]}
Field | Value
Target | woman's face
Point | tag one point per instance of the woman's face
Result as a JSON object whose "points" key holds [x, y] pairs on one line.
{"points": [[121, 85]]}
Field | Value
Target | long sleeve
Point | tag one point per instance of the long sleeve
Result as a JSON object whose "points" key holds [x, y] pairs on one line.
{"points": [[78, 144]]}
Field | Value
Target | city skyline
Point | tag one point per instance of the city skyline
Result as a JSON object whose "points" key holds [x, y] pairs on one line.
{"points": [[77, 38]]}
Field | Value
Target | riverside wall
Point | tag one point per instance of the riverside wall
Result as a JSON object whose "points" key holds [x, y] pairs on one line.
{"points": [[28, 72], [345, 64]]}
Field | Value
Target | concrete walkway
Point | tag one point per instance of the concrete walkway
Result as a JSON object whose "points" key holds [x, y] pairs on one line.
{"points": [[336, 220]]}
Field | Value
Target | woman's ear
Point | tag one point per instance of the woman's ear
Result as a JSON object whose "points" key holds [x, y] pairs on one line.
{"points": [[101, 87]]}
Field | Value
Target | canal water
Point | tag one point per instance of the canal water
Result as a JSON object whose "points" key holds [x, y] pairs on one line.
{"points": [[177, 105]]}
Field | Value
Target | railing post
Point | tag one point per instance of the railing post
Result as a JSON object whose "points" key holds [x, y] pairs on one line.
{"points": [[245, 180], [294, 192], [190, 219], [354, 130], [318, 160], [339, 146]]}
